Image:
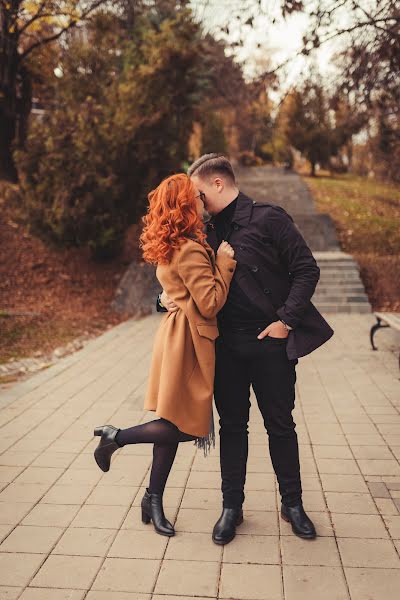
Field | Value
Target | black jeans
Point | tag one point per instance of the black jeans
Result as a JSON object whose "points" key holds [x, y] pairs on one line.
{"points": [[243, 360]]}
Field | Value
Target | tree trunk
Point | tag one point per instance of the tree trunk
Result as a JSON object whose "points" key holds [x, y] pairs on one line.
{"points": [[8, 129], [9, 63], [24, 105], [15, 107], [350, 154], [312, 169]]}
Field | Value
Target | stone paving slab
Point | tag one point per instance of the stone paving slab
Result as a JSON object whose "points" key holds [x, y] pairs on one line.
{"points": [[70, 532]]}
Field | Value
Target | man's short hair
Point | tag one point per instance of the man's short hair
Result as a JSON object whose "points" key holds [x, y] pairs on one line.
{"points": [[212, 164]]}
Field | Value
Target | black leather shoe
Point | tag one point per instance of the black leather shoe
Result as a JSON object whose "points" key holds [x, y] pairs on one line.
{"points": [[152, 510], [107, 446], [225, 528], [301, 523]]}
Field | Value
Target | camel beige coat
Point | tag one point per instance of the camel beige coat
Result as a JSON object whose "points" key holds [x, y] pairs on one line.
{"points": [[181, 378]]}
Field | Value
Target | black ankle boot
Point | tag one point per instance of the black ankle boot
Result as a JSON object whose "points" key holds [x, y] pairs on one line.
{"points": [[152, 510], [225, 528], [301, 523], [107, 445]]}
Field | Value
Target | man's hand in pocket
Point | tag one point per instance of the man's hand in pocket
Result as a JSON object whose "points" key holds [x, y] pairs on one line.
{"points": [[274, 330]]}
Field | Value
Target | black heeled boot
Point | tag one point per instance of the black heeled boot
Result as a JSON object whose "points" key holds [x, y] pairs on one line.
{"points": [[152, 510], [225, 528], [107, 446], [301, 523]]}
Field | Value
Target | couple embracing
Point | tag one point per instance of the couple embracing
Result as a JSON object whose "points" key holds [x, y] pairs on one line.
{"points": [[236, 295]]}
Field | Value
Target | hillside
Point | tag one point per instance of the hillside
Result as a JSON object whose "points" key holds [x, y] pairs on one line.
{"points": [[366, 214], [68, 294]]}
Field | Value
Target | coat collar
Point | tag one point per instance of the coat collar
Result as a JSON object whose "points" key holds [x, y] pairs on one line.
{"points": [[242, 213], [207, 247]]}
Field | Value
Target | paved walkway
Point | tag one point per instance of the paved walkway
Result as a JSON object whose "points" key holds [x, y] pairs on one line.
{"points": [[71, 532]]}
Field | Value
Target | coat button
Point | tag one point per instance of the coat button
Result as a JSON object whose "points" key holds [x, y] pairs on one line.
{"points": [[236, 227], [254, 268], [267, 291], [242, 247]]}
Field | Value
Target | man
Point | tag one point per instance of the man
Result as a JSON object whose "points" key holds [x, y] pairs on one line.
{"points": [[266, 324]]}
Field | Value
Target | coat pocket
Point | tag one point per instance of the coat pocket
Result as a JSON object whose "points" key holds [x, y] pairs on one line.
{"points": [[208, 330], [280, 340]]}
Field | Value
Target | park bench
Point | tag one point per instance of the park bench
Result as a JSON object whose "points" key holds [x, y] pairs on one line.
{"points": [[384, 319]]}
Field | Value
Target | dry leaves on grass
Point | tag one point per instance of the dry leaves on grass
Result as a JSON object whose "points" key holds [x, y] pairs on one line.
{"points": [[69, 293]]}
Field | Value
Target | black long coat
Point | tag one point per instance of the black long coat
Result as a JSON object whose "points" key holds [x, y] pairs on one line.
{"points": [[276, 270]]}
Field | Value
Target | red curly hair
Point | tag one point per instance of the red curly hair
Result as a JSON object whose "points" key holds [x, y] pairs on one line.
{"points": [[171, 216]]}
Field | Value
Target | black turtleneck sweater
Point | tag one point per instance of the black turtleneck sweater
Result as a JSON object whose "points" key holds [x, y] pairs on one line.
{"points": [[237, 311]]}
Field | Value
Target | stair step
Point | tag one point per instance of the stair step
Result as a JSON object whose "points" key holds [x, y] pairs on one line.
{"points": [[348, 285], [337, 278], [337, 261], [338, 268], [339, 281], [340, 298], [343, 308], [339, 272], [324, 295], [343, 288], [331, 255]]}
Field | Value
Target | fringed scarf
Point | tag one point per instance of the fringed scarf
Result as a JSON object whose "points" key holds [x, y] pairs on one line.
{"points": [[205, 442]]}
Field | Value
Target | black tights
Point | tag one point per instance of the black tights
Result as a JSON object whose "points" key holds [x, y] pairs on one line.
{"points": [[166, 437]]}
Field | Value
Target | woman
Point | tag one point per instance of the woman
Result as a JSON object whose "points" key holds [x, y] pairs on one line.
{"points": [[181, 379]]}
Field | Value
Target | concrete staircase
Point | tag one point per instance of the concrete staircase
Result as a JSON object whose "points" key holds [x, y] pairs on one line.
{"points": [[340, 288]]}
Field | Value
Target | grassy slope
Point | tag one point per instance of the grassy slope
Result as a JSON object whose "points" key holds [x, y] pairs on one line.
{"points": [[68, 293], [367, 219]]}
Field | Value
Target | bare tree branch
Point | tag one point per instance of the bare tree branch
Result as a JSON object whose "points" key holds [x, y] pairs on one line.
{"points": [[57, 35]]}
